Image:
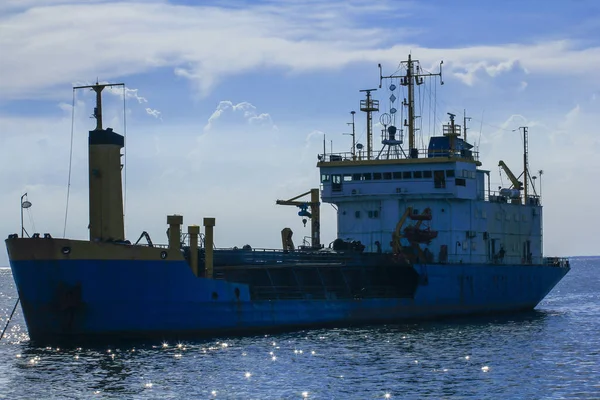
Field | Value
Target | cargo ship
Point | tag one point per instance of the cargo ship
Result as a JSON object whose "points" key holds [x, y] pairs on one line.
{"points": [[420, 235]]}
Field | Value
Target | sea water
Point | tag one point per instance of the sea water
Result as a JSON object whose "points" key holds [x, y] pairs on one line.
{"points": [[550, 353]]}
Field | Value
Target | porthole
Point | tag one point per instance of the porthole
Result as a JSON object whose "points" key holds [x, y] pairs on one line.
{"points": [[163, 254], [66, 250]]}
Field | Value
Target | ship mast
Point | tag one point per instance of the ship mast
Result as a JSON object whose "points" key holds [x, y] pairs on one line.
{"points": [[411, 106], [412, 76], [525, 164], [369, 106], [98, 88], [465, 119], [353, 134]]}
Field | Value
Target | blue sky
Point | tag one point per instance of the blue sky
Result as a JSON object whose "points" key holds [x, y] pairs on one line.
{"points": [[283, 74]]}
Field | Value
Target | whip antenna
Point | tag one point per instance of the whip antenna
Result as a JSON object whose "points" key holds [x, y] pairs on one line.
{"points": [[70, 164]]}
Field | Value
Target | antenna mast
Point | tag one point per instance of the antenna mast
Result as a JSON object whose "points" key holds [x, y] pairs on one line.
{"points": [[353, 134], [525, 163], [465, 119], [369, 105], [98, 88], [413, 76]]}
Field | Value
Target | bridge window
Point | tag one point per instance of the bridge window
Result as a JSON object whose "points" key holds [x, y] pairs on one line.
{"points": [[356, 177], [324, 178], [439, 179], [366, 177], [377, 176], [347, 178], [427, 174], [407, 174], [460, 182], [336, 183], [417, 174], [397, 175], [387, 175], [450, 173]]}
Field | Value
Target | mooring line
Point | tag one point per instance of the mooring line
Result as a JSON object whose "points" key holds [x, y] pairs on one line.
{"points": [[9, 318]]}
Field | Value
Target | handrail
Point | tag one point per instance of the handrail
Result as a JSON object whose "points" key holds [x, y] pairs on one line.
{"points": [[453, 259], [557, 261], [399, 155]]}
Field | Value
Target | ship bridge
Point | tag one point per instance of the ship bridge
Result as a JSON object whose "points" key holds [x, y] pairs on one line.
{"points": [[443, 170]]}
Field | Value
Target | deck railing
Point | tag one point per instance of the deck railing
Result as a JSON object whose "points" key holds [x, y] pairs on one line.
{"points": [[234, 256], [399, 154], [494, 196]]}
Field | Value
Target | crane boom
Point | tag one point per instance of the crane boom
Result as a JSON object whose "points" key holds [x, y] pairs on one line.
{"points": [[315, 227], [513, 179]]}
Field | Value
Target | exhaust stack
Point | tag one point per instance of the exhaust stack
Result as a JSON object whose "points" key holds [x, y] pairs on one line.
{"points": [[106, 189], [193, 231]]}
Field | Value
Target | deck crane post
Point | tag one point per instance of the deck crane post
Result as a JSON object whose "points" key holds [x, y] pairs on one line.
{"points": [[313, 214]]}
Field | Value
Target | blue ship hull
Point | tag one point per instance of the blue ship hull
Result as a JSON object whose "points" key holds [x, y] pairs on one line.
{"points": [[79, 299]]}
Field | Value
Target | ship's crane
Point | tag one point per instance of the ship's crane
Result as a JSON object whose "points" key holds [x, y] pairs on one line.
{"points": [[397, 235], [516, 184], [414, 234], [313, 214]]}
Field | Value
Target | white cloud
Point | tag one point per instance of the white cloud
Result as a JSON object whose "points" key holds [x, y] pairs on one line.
{"points": [[133, 93], [206, 44], [318, 135], [493, 70], [227, 112], [522, 86], [154, 113]]}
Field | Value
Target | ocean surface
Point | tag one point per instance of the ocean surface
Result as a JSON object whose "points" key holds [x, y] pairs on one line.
{"points": [[551, 353]]}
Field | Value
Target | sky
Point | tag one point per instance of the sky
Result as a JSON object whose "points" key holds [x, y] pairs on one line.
{"points": [[227, 104]]}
